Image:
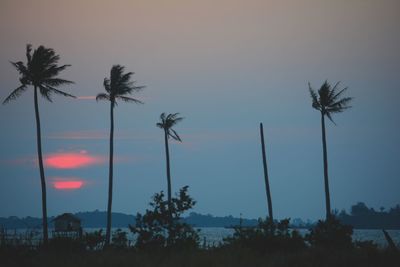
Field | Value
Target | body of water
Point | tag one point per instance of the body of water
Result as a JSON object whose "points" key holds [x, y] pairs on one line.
{"points": [[213, 236]]}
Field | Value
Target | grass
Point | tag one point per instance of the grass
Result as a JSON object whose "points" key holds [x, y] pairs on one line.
{"points": [[213, 257]]}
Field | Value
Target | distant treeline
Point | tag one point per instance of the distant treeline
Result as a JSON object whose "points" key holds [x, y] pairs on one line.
{"points": [[98, 219], [360, 217]]}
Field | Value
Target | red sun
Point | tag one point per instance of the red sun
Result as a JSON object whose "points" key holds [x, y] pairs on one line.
{"points": [[67, 185], [72, 160]]}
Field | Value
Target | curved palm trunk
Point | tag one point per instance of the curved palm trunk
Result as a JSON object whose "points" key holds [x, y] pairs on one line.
{"points": [[41, 169], [168, 170], [110, 175], [267, 188], [169, 186], [326, 180]]}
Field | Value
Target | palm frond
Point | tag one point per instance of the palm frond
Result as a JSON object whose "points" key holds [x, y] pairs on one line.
{"points": [[330, 101], [20, 67], [333, 91], [175, 135], [28, 54], [106, 84], [45, 92], [15, 94], [53, 70], [56, 82], [119, 84], [162, 117], [341, 105], [129, 99], [337, 95], [103, 96], [328, 114], [314, 97], [40, 71], [56, 91]]}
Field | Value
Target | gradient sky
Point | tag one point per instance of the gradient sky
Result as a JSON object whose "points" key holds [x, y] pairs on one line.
{"points": [[225, 66]]}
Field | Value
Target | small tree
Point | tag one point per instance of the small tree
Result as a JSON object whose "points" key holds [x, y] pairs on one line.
{"points": [[331, 234], [156, 230]]}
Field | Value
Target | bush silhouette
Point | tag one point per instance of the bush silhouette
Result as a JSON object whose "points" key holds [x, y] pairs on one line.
{"points": [[267, 236], [94, 240], [331, 234], [156, 228]]}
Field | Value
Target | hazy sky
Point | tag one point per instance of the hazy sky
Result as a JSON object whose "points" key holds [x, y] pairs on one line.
{"points": [[225, 66]]}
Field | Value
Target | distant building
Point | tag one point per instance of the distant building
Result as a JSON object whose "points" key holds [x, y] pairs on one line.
{"points": [[67, 223]]}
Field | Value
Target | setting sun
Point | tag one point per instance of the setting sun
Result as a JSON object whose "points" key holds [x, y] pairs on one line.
{"points": [[72, 160]]}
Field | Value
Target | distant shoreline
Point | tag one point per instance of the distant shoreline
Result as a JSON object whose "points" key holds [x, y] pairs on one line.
{"points": [[97, 219]]}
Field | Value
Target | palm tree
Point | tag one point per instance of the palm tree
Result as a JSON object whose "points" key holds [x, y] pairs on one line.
{"points": [[267, 188], [40, 72], [328, 100], [117, 87], [166, 123]]}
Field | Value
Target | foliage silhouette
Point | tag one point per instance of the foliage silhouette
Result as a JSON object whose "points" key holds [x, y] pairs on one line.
{"points": [[331, 233], [94, 240], [268, 236], [40, 72], [156, 229], [327, 100], [166, 123], [267, 188], [119, 239], [117, 87]]}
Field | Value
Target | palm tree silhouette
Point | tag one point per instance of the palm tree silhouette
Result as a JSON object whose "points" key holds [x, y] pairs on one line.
{"points": [[41, 72], [166, 123], [117, 87], [328, 101], [266, 178]]}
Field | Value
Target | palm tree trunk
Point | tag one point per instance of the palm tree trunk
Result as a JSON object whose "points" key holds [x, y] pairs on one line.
{"points": [[169, 188], [326, 180], [168, 171], [267, 188], [110, 175], [41, 169]]}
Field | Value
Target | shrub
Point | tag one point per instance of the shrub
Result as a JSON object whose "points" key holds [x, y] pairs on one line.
{"points": [[94, 240], [267, 236], [331, 234], [161, 227], [119, 239]]}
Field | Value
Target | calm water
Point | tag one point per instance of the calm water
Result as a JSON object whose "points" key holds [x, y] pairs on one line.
{"points": [[214, 235]]}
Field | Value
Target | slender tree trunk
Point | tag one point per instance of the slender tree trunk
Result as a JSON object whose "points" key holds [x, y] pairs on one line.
{"points": [[267, 188], [326, 180], [42, 178], [168, 171], [110, 175], [170, 237]]}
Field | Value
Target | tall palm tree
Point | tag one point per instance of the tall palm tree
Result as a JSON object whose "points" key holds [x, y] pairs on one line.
{"points": [[117, 87], [267, 188], [166, 123], [40, 72], [328, 100]]}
